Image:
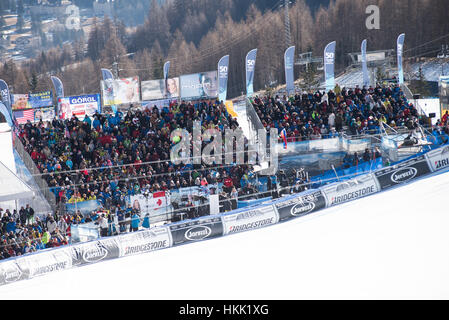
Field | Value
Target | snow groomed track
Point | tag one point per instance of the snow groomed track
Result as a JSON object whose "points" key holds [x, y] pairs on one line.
{"points": [[389, 245]]}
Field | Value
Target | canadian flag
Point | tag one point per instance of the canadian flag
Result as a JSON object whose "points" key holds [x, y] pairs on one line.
{"points": [[159, 200]]}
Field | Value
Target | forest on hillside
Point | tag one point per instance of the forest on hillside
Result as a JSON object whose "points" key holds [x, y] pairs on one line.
{"points": [[195, 34]]}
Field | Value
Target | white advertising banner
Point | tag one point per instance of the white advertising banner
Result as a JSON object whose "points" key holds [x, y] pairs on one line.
{"points": [[349, 190], [248, 220], [144, 241]]}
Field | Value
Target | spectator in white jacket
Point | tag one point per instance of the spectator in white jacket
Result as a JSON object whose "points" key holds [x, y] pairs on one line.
{"points": [[51, 225]]}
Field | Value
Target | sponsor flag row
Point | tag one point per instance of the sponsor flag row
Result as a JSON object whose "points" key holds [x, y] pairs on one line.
{"points": [[210, 227]]}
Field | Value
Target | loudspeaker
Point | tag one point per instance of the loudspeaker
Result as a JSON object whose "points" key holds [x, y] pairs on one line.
{"points": [[416, 96], [432, 115]]}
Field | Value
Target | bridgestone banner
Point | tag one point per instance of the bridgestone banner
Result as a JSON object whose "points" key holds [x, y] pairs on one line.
{"points": [[300, 206], [402, 172], [349, 190], [95, 251], [248, 220], [196, 230], [47, 262], [438, 159], [144, 241]]}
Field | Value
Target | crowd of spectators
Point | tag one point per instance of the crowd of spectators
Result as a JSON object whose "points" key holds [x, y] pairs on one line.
{"points": [[23, 232], [112, 156], [325, 114]]}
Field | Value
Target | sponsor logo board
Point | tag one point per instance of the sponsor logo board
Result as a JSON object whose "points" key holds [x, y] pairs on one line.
{"points": [[300, 206], [251, 219]]}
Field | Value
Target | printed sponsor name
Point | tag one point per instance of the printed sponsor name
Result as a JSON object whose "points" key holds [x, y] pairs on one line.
{"points": [[12, 274], [146, 247], [353, 195], [404, 174], [441, 164], [251, 225], [94, 254], [52, 267], [198, 233], [302, 209], [81, 100]]}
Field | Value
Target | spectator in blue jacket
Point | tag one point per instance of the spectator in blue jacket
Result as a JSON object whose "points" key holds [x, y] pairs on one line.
{"points": [[146, 221], [135, 221]]}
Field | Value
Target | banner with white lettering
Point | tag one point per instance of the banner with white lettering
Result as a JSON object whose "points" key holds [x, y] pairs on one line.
{"points": [[300, 205], [289, 63], [329, 65], [400, 52], [59, 87], [202, 85], [438, 158], [79, 106], [249, 219], [250, 66], [144, 241], [403, 172], [196, 230], [345, 191], [95, 251], [223, 71], [6, 97], [366, 80]]}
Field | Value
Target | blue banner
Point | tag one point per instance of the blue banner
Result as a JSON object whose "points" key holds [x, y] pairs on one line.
{"points": [[250, 68], [223, 67], [107, 74], [366, 80], [86, 207], [41, 99], [166, 70], [400, 51], [59, 87], [6, 97], [5, 111], [289, 59], [329, 65]]}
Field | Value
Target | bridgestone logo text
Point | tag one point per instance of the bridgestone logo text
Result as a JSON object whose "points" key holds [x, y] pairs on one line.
{"points": [[251, 225], [442, 163], [146, 247], [353, 195], [52, 267]]}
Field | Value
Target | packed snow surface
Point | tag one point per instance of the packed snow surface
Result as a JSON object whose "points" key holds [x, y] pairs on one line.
{"points": [[392, 245]]}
